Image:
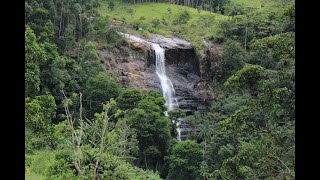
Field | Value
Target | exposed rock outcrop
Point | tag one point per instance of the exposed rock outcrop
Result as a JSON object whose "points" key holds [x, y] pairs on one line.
{"points": [[183, 67], [211, 60]]}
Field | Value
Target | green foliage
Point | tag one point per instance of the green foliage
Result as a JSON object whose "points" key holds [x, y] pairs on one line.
{"points": [[158, 31], [131, 11], [47, 34], [35, 56], [250, 20], [60, 170], [129, 99], [233, 56], [39, 15], [257, 159], [39, 111], [227, 104], [207, 20], [155, 23], [62, 132], [127, 171], [33, 177], [99, 89], [60, 73], [90, 62], [110, 5], [185, 160], [176, 113], [182, 18], [234, 28], [104, 33], [248, 133], [72, 21], [246, 78], [152, 127], [192, 31], [40, 161], [274, 51], [289, 12], [88, 143], [38, 114]]}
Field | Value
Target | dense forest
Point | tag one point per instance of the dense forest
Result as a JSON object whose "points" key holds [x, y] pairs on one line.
{"points": [[81, 122]]}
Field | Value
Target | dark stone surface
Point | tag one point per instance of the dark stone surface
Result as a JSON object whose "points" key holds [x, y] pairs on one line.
{"points": [[182, 67]]}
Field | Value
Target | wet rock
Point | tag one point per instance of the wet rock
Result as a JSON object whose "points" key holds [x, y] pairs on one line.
{"points": [[124, 73], [170, 43], [183, 56], [182, 67], [211, 61], [135, 45]]}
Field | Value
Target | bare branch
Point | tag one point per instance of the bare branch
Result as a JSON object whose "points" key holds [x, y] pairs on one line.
{"points": [[102, 141]]}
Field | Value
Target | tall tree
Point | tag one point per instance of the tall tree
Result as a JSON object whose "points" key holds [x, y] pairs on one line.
{"points": [[185, 160], [35, 56]]}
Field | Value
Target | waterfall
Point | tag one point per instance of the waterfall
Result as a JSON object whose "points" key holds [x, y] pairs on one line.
{"points": [[166, 84], [178, 131], [167, 88]]}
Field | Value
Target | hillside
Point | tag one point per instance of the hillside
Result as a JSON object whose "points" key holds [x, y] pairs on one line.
{"points": [[200, 25], [162, 18], [186, 90]]}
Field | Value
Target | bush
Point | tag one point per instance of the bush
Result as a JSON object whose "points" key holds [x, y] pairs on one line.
{"points": [[142, 18], [182, 18], [40, 161], [60, 170], [155, 23], [136, 24], [217, 39]]}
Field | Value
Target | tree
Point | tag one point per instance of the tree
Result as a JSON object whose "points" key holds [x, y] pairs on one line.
{"points": [[233, 56], [47, 34], [153, 130], [290, 14], [185, 160], [97, 90], [97, 148], [35, 56], [90, 62], [182, 18], [110, 5], [39, 112], [129, 99], [274, 51], [247, 78]]}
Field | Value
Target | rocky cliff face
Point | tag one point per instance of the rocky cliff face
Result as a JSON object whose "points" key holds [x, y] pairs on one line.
{"points": [[187, 73]]}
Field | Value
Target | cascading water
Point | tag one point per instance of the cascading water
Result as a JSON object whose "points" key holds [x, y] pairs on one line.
{"points": [[167, 88], [166, 84]]}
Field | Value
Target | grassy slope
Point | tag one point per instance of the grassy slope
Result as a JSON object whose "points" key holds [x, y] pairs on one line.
{"points": [[194, 31], [33, 177], [39, 163], [260, 3], [248, 3]]}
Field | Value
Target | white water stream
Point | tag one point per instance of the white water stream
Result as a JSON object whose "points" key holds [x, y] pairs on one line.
{"points": [[167, 88], [166, 84]]}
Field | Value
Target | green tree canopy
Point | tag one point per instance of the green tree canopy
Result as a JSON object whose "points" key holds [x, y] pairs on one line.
{"points": [[35, 56], [185, 160]]}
